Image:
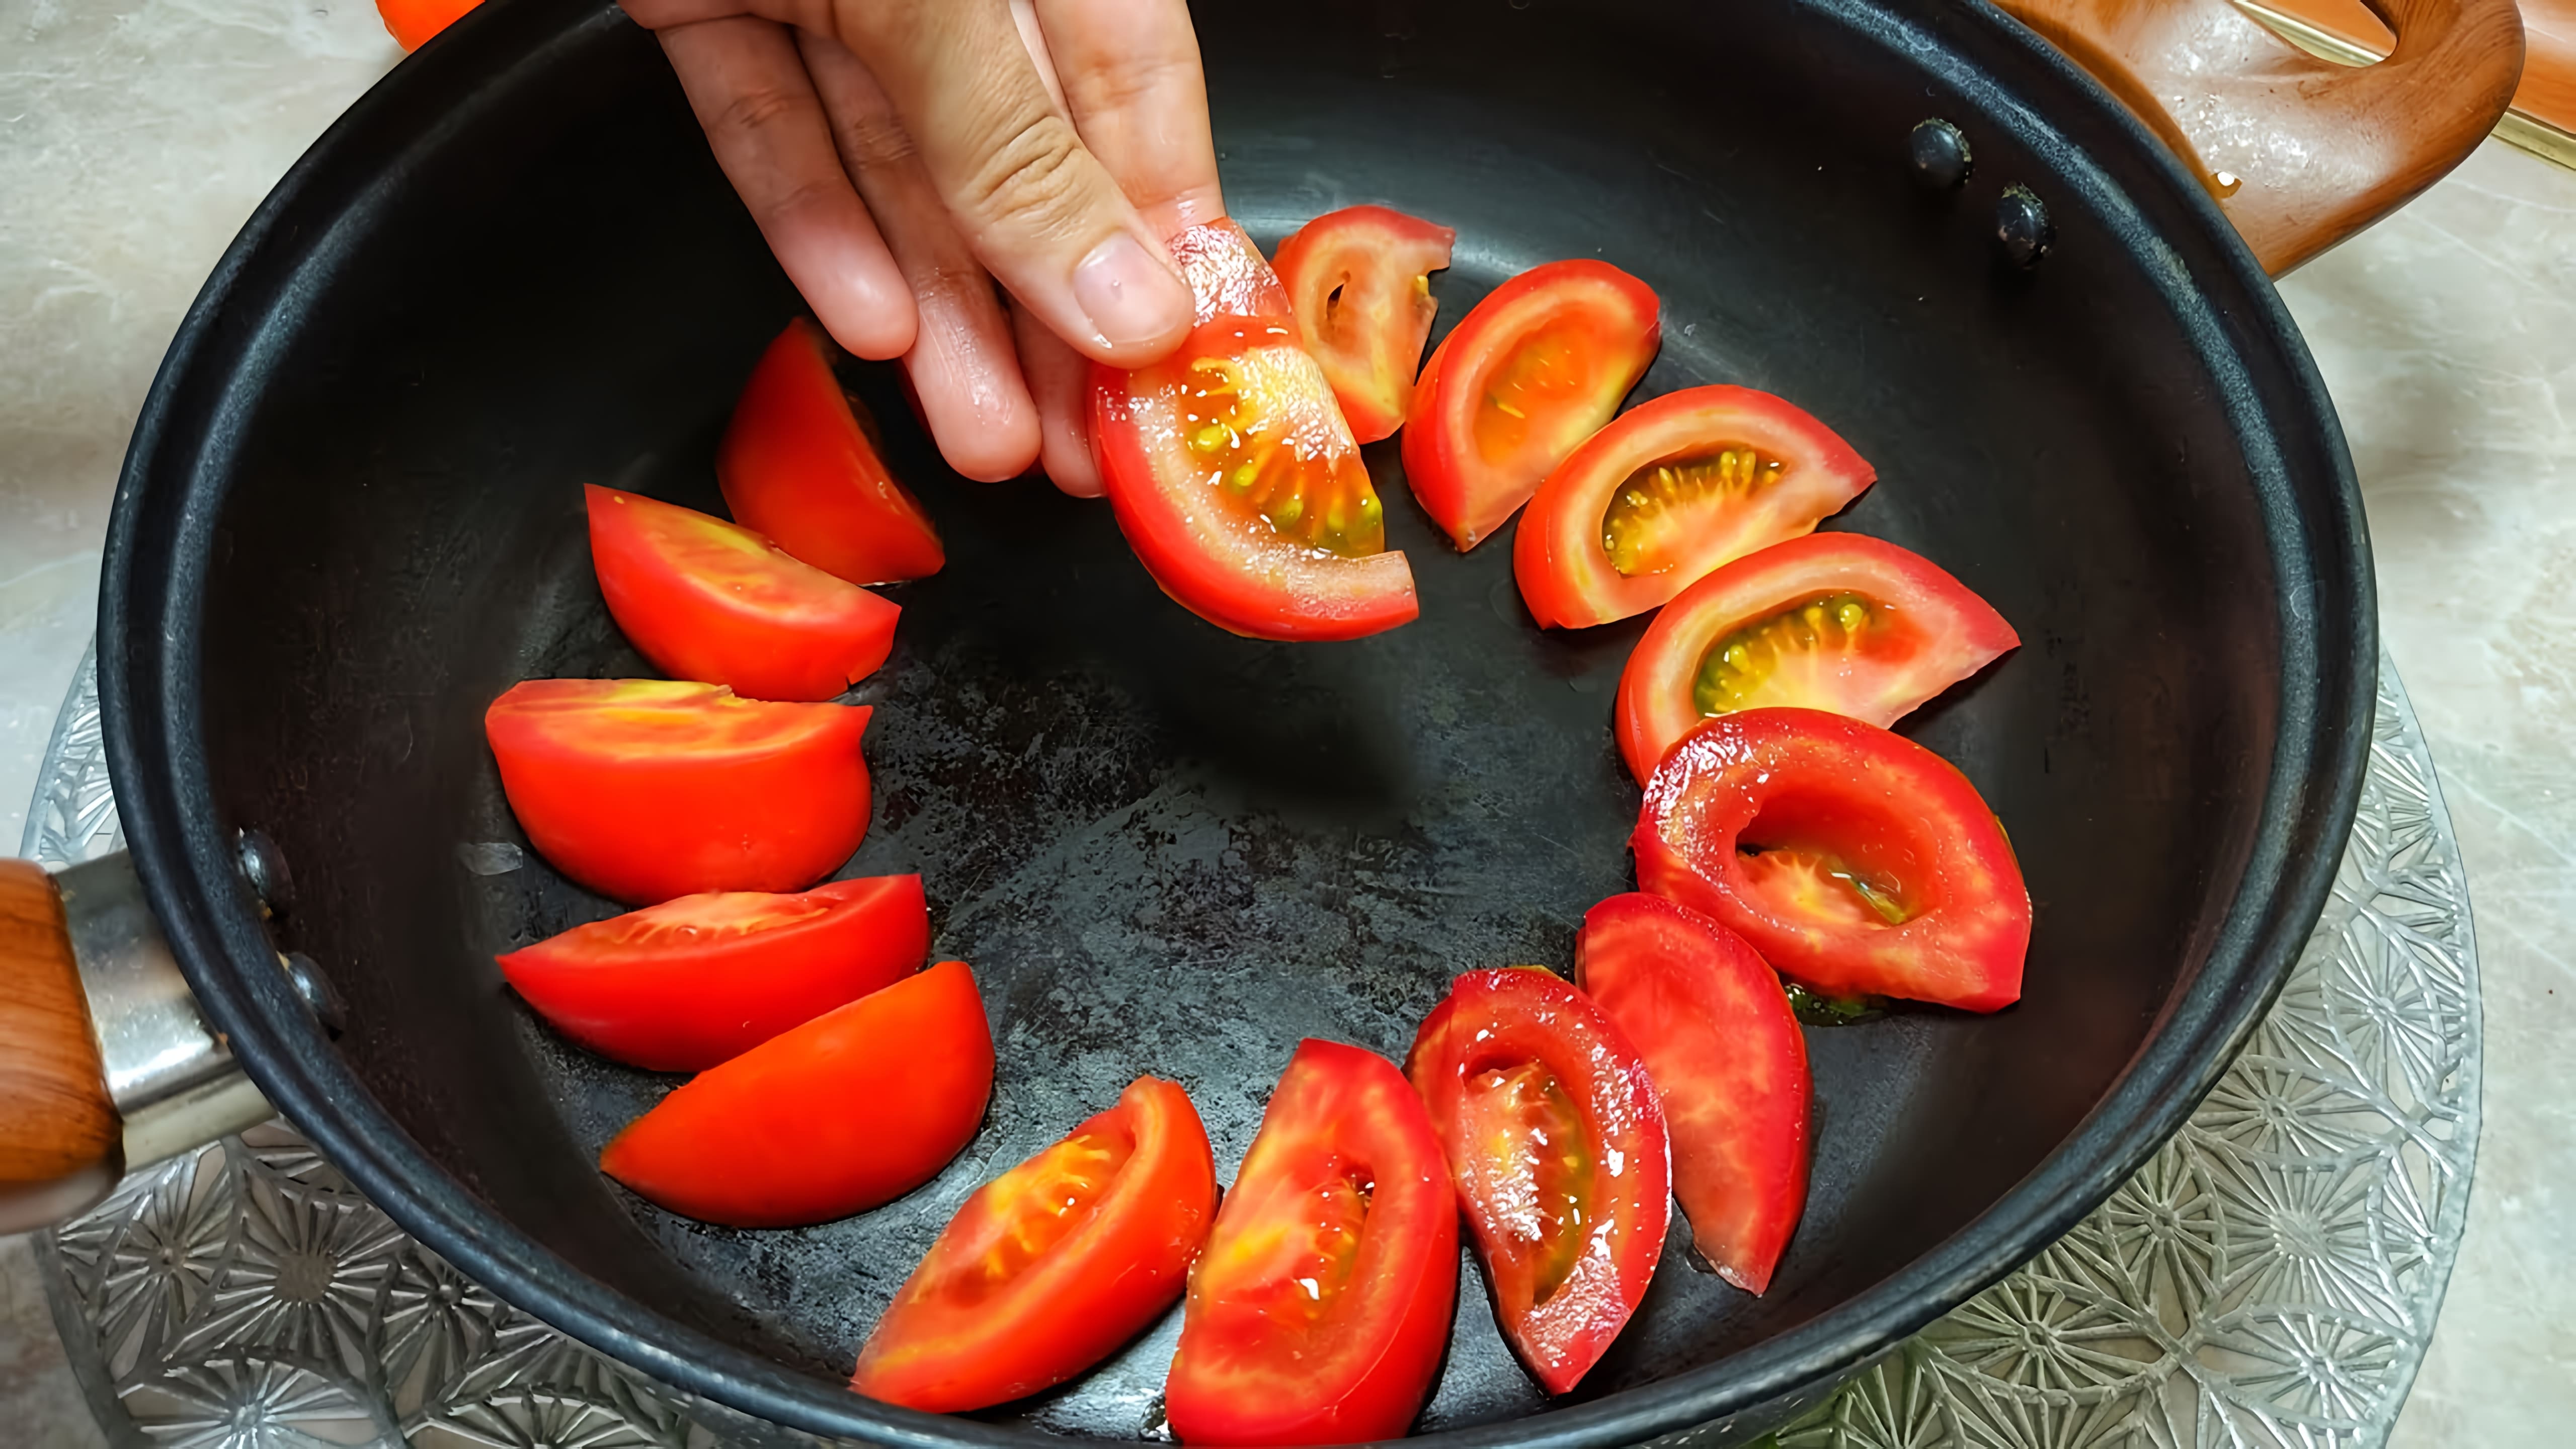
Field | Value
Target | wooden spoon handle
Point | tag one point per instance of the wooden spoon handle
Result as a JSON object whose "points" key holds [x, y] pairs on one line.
{"points": [[61, 1142], [2300, 152]]}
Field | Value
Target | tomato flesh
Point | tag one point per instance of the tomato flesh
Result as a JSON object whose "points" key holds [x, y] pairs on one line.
{"points": [[647, 789], [1530, 372], [1232, 472], [1558, 1149], [797, 464], [1853, 859], [1359, 281], [1674, 489], [715, 602], [852, 1109], [1832, 621], [1319, 1312], [1729, 1065], [691, 983], [1050, 1267]]}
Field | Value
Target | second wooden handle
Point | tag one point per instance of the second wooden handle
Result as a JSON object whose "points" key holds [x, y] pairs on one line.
{"points": [[61, 1144], [2300, 152]]}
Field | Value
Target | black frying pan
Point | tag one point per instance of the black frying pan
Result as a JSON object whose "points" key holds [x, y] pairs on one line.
{"points": [[352, 516]]}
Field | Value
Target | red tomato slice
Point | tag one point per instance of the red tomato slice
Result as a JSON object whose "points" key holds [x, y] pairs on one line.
{"points": [[1053, 1265], [1675, 488], [1557, 1146], [412, 22], [1527, 374], [1853, 859], [1359, 280], [1232, 473], [691, 983], [1832, 621], [1321, 1308], [797, 464], [1728, 1061], [645, 789], [854, 1108], [713, 601]]}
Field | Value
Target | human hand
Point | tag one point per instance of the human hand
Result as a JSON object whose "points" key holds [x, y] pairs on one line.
{"points": [[902, 155]]}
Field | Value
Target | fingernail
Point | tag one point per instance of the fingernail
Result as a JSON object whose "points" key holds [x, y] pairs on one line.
{"points": [[1128, 295]]}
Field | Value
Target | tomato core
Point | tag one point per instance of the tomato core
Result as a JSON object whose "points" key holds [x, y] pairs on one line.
{"points": [[1549, 370], [1540, 1161], [1648, 523], [1044, 1200], [1735, 669], [1306, 1257], [705, 920], [1248, 417]]}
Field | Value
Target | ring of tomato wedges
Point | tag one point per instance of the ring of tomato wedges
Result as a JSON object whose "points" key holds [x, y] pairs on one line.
{"points": [[1785, 832]]}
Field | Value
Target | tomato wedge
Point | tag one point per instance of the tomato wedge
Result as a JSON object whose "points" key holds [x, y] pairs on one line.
{"points": [[854, 1108], [1232, 473], [715, 602], [646, 789], [1853, 859], [691, 983], [799, 465], [1833, 621], [1728, 1062], [1525, 376], [1672, 490], [1359, 280], [412, 22], [1054, 1264], [1557, 1146], [1321, 1308]]}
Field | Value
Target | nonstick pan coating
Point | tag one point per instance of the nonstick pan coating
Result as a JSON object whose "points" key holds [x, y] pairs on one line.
{"points": [[353, 515]]}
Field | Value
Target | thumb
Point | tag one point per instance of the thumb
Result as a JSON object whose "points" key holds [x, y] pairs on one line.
{"points": [[1041, 213]]}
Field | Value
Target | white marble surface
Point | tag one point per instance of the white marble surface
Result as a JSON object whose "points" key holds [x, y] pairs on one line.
{"points": [[135, 137]]}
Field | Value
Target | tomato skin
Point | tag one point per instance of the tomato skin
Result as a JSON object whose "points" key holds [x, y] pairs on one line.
{"points": [[1729, 1065], [854, 1108], [715, 602], [1566, 578], [646, 789], [1935, 632], [719, 974], [1235, 571], [1615, 325], [1882, 804], [951, 1341], [412, 22], [1510, 1020], [797, 465], [1362, 1365], [1369, 340]]}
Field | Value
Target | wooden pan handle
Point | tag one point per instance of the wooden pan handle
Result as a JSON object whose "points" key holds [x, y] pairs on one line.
{"points": [[61, 1142], [2300, 152]]}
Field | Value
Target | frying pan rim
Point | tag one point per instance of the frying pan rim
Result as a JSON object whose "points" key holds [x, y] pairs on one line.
{"points": [[151, 607]]}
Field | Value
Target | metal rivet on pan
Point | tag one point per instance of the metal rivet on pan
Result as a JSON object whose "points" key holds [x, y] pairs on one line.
{"points": [[1940, 152], [316, 991], [2022, 225], [265, 869]]}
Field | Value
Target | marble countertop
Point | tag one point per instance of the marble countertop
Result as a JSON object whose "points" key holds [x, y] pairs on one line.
{"points": [[135, 138]]}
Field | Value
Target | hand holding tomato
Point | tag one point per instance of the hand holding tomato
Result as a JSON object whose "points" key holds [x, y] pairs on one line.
{"points": [[895, 153]]}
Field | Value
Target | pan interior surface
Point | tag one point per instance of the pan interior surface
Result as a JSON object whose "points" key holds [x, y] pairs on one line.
{"points": [[1168, 850]]}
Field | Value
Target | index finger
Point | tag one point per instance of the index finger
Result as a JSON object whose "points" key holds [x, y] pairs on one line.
{"points": [[1131, 76]]}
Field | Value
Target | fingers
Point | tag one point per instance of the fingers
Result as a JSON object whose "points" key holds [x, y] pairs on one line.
{"points": [[1039, 210], [1131, 78], [961, 360], [767, 129], [1059, 379]]}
